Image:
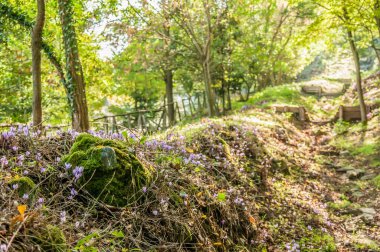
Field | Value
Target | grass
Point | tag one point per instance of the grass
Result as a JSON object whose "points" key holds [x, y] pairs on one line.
{"points": [[376, 181], [285, 94]]}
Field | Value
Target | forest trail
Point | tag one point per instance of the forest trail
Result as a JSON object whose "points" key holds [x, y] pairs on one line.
{"points": [[336, 183], [352, 205]]}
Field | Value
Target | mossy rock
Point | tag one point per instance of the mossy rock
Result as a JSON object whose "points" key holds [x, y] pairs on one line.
{"points": [[112, 173], [25, 186], [52, 239]]}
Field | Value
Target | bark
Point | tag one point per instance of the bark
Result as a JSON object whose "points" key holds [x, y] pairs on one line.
{"points": [[377, 51], [75, 80], [209, 91], [168, 72], [355, 54], [36, 63], [377, 15], [169, 96], [229, 104]]}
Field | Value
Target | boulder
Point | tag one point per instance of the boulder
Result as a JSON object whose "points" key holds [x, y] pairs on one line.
{"points": [[111, 171]]}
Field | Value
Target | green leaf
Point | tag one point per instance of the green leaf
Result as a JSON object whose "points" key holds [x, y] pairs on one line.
{"points": [[118, 234], [222, 197], [86, 239]]}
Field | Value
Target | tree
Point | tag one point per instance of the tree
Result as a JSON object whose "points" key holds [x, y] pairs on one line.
{"points": [[74, 75], [355, 54], [346, 15], [36, 63]]}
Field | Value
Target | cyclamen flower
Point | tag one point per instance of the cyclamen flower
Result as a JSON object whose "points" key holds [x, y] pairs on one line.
{"points": [[67, 166], [63, 216], [4, 161], [78, 172], [26, 131], [41, 200], [3, 247], [73, 192]]}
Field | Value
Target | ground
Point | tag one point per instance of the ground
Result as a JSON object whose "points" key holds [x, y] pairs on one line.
{"points": [[253, 180]]}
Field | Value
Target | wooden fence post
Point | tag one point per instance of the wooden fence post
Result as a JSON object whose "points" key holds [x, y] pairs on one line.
{"points": [[129, 121], [184, 108], [199, 103], [164, 125], [106, 125], [114, 125], [341, 112], [179, 113]]}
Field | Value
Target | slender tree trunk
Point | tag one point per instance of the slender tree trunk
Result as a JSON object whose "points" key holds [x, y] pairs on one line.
{"points": [[377, 14], [169, 96], [363, 112], [168, 72], [377, 51], [229, 104], [75, 80], [36, 63], [209, 91]]}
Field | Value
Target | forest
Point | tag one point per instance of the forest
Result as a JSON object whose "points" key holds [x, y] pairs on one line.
{"points": [[190, 125]]}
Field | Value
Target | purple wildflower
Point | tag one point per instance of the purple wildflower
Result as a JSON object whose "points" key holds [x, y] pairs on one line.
{"points": [[155, 212], [4, 161], [78, 172], [3, 247], [40, 200], [15, 186], [73, 192], [67, 166], [25, 196], [63, 216], [26, 130]]}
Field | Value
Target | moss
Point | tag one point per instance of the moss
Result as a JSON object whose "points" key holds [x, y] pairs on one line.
{"points": [[366, 149], [112, 173], [52, 239], [25, 186], [318, 241], [339, 205], [376, 181]]}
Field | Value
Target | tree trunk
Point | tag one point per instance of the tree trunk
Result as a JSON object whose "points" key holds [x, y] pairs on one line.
{"points": [[377, 51], [229, 104], [363, 112], [377, 14], [36, 63], [75, 80], [209, 92], [169, 96], [168, 72]]}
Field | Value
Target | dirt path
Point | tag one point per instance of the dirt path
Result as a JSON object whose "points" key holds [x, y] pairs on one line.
{"points": [[350, 203]]}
